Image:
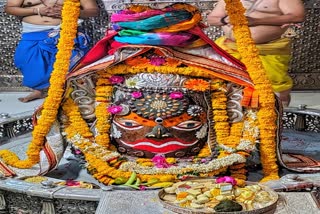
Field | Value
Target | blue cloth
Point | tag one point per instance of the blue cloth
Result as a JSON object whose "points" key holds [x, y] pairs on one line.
{"points": [[36, 54], [169, 39]]}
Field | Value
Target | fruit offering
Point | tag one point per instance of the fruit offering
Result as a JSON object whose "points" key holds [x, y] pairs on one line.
{"points": [[134, 182]]}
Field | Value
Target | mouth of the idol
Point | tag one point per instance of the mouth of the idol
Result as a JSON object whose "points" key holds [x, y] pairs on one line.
{"points": [[159, 146]]}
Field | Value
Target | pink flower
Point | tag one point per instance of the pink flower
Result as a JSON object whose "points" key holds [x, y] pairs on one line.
{"points": [[185, 177], [116, 79], [157, 61], [142, 188], [176, 95], [226, 179], [72, 183], [160, 161], [77, 151], [115, 109], [136, 94], [203, 160]]}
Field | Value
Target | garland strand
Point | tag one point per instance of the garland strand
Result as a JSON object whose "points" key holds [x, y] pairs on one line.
{"points": [[104, 91], [70, 14], [266, 115]]}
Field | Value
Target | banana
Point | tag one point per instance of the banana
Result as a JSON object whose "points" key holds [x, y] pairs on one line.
{"points": [[162, 184], [120, 180], [138, 182], [151, 181], [132, 178]]}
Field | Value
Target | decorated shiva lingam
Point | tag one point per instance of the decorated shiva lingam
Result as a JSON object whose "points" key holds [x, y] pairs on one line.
{"points": [[156, 109], [158, 114]]}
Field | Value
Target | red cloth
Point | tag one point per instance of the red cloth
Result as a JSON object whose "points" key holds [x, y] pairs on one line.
{"points": [[107, 46], [99, 50]]}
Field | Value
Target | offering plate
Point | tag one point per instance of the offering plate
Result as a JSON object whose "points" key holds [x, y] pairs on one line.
{"points": [[269, 208]]}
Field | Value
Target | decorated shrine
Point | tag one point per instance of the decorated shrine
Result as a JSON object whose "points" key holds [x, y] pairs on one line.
{"points": [[157, 102], [157, 97]]}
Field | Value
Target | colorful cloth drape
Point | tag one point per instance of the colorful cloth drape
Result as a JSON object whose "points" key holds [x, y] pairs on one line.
{"points": [[157, 21], [167, 26], [169, 39], [129, 16]]}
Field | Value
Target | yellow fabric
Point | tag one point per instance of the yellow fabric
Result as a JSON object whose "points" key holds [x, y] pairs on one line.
{"points": [[275, 57]]}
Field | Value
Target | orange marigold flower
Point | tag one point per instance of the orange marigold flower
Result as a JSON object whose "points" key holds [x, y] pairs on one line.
{"points": [[137, 61], [196, 84], [173, 62], [139, 8]]}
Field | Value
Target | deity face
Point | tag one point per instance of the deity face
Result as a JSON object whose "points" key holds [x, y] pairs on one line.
{"points": [[154, 129], [173, 137], [159, 120]]}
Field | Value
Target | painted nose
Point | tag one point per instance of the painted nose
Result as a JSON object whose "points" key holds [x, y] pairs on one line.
{"points": [[159, 131]]}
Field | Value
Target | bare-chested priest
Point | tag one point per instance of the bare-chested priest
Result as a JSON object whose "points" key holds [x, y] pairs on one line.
{"points": [[268, 21], [35, 53]]}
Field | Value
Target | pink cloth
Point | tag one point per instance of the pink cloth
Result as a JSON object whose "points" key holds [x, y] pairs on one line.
{"points": [[128, 16]]}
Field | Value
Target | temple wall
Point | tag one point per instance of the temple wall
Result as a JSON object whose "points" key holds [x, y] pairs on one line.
{"points": [[305, 66]]}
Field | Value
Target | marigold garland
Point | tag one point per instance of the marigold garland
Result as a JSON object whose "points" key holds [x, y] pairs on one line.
{"points": [[266, 115], [204, 152], [70, 14], [101, 168], [190, 70], [220, 118], [106, 169], [196, 85], [104, 91]]}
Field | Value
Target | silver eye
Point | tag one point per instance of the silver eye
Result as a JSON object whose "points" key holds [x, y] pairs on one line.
{"points": [[189, 125], [159, 120]]}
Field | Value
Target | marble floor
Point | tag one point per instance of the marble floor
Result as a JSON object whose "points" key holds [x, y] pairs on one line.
{"points": [[311, 99], [10, 106]]}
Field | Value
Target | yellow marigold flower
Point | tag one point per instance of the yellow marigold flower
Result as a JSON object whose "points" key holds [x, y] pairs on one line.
{"points": [[150, 164], [171, 160]]}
